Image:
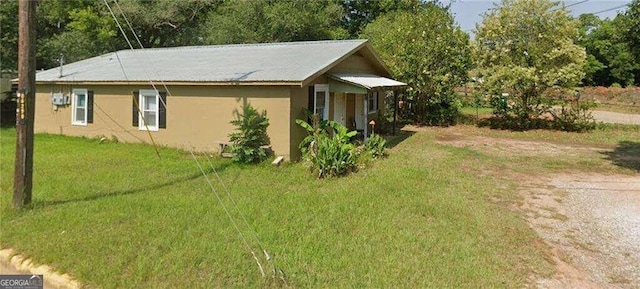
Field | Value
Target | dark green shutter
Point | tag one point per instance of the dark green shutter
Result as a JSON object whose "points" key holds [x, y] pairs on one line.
{"points": [[310, 104], [90, 106], [162, 110], [135, 115], [312, 92]]}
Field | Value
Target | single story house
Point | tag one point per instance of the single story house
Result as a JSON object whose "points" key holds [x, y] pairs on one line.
{"points": [[185, 97]]}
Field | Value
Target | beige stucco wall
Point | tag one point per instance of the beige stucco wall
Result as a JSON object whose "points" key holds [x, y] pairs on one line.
{"points": [[197, 116], [355, 63], [299, 101]]}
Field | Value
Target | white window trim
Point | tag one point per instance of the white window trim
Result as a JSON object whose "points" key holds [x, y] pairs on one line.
{"points": [[141, 120], [375, 96], [74, 105], [319, 88]]}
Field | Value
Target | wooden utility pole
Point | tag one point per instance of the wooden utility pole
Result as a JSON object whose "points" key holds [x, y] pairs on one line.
{"points": [[22, 181]]}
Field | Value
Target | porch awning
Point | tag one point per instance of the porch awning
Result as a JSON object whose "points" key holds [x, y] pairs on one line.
{"points": [[362, 83]]}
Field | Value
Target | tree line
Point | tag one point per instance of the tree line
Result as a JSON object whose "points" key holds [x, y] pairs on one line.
{"points": [[80, 29], [532, 50]]}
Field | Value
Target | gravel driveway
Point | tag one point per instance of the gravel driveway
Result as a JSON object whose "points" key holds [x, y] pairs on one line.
{"points": [[593, 224], [590, 221]]}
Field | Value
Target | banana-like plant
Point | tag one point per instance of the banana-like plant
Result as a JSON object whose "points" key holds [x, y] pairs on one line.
{"points": [[328, 147]]}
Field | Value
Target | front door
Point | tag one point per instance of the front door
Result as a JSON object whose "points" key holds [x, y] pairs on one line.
{"points": [[340, 108]]}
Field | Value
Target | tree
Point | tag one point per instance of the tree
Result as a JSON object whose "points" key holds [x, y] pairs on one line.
{"points": [[84, 31], [632, 23], [359, 13], [526, 48], [428, 51], [258, 21], [9, 36], [166, 23], [609, 59], [631, 20]]}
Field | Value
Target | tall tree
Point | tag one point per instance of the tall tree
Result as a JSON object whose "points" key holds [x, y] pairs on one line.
{"points": [[359, 13], [609, 59], [428, 51], [632, 34], [526, 48], [166, 23], [632, 23], [9, 36], [75, 32], [255, 21]]}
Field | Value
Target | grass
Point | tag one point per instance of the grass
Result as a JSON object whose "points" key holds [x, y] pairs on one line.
{"points": [[114, 215]]}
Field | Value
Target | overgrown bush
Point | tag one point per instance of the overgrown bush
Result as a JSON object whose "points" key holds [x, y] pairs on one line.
{"points": [[250, 136], [440, 110], [329, 155]]}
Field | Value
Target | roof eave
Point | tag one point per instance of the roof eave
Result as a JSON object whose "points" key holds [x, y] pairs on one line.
{"points": [[180, 83]]}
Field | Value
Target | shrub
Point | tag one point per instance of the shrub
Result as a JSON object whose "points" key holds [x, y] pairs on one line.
{"points": [[328, 155], [576, 117], [250, 136], [615, 85], [375, 145], [439, 110], [334, 158]]}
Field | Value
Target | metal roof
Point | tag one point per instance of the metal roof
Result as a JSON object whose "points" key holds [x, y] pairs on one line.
{"points": [[368, 81], [269, 62]]}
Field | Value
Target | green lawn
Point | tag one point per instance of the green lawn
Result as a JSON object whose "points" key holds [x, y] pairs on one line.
{"points": [[114, 215]]}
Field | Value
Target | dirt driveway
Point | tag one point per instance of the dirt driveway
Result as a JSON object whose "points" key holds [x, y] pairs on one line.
{"points": [[616, 117], [590, 221]]}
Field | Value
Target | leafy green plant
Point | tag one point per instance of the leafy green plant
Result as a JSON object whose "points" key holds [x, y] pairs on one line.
{"points": [[375, 145], [329, 155], [250, 138], [315, 129], [334, 158]]}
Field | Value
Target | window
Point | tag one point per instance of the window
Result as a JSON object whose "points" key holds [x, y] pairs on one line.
{"points": [[79, 107], [321, 101], [372, 100], [149, 109]]}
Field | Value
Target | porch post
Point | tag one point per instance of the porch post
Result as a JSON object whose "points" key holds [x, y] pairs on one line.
{"points": [[395, 110], [366, 115]]}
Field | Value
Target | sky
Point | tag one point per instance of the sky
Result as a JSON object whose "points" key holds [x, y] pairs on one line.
{"points": [[469, 12]]}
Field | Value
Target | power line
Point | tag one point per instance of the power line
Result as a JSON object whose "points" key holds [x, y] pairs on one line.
{"points": [[135, 35], [570, 5], [577, 3], [141, 115], [235, 225], [114, 121], [231, 218], [610, 9], [237, 208]]}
